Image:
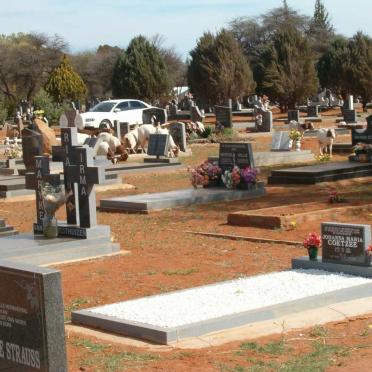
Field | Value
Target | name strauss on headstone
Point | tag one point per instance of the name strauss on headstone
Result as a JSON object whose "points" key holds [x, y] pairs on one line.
{"points": [[32, 336]]}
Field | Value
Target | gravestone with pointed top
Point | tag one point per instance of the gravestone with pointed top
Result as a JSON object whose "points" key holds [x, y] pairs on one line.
{"points": [[363, 135]]}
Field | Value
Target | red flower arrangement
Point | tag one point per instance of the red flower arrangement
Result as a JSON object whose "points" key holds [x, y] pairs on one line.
{"points": [[313, 240], [369, 250]]}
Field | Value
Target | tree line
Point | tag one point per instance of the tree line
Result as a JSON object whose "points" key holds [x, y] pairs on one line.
{"points": [[281, 53]]}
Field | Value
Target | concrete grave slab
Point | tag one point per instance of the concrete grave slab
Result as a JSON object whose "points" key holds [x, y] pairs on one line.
{"points": [[146, 203], [193, 312]]}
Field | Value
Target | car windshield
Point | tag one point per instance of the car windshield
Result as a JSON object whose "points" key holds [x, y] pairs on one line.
{"points": [[103, 107]]}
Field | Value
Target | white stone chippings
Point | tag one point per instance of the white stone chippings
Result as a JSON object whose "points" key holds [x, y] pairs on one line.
{"points": [[227, 298]]}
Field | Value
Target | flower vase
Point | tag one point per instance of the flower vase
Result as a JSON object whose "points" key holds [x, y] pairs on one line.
{"points": [[313, 253], [50, 227], [290, 144], [297, 145]]}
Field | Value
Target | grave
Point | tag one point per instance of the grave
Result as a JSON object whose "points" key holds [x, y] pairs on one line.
{"points": [[293, 115], [344, 249], [350, 116], [231, 154], [160, 114], [80, 236], [312, 174], [281, 141], [32, 145], [193, 312], [313, 111], [6, 230], [32, 333], [283, 217], [266, 125], [178, 133], [159, 147], [224, 116], [196, 115]]}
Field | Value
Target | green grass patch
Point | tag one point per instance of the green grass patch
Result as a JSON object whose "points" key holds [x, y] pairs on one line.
{"points": [[181, 272], [91, 346]]}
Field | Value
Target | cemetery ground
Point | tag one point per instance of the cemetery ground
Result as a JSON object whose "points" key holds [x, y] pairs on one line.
{"points": [[166, 254]]}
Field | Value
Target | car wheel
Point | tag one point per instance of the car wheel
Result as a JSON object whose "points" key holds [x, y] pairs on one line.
{"points": [[105, 124]]}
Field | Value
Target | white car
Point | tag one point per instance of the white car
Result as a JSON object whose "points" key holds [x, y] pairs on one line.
{"points": [[105, 113]]}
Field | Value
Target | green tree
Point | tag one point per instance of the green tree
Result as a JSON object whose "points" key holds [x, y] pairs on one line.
{"points": [[321, 31], [218, 69], [255, 34], [332, 67], [289, 75], [140, 72], [43, 101], [359, 69], [64, 83]]}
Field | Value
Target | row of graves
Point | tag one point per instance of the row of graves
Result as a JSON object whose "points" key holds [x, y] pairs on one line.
{"points": [[32, 335], [357, 165]]}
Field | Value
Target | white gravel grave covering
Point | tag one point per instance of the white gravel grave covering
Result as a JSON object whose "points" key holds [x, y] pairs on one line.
{"points": [[227, 298]]}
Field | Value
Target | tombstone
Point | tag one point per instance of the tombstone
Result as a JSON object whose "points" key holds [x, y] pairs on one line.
{"points": [[117, 129], [267, 122], [350, 116], [93, 143], [32, 332], [158, 145], [32, 145], [350, 103], [346, 243], [363, 136], [178, 133], [173, 109], [86, 175], [71, 119], [160, 114], [196, 115], [293, 115], [232, 154], [66, 154], [313, 111], [281, 141], [35, 181], [124, 129], [223, 116]]}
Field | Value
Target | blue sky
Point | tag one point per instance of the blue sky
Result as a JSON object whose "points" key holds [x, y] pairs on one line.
{"points": [[85, 24]]}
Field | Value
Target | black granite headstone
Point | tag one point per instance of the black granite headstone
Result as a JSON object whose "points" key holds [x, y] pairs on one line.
{"points": [[232, 154], [158, 145], [32, 145], [350, 116], [313, 111], [86, 175], [363, 136], [35, 181], [346, 243], [293, 115], [66, 154], [124, 128], [32, 334], [224, 116]]}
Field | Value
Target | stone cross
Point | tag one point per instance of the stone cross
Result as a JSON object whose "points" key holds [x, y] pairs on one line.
{"points": [[66, 153], [86, 175], [34, 181]]}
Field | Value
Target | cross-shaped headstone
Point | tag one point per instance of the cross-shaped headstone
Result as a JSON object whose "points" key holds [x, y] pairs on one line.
{"points": [[86, 175], [34, 181], [66, 153]]}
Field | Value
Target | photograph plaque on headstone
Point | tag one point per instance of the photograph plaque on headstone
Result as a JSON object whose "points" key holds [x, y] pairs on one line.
{"points": [[346, 243], [32, 334], [158, 145]]}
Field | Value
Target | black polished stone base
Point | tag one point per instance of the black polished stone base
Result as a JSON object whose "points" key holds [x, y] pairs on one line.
{"points": [[325, 172]]}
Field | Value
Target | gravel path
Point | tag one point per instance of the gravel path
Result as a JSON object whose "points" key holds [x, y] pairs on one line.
{"points": [[202, 303]]}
